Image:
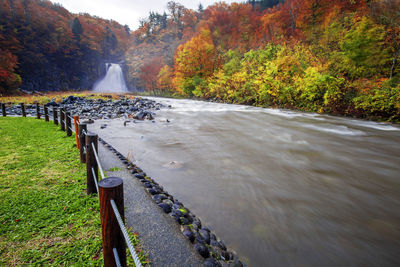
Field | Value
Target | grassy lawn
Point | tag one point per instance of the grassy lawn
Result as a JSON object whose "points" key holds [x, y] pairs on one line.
{"points": [[45, 216]]}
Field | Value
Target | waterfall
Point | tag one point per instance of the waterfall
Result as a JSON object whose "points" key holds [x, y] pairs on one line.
{"points": [[113, 81]]}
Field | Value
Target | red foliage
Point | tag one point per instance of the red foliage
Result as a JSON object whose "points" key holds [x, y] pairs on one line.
{"points": [[8, 79], [149, 73]]}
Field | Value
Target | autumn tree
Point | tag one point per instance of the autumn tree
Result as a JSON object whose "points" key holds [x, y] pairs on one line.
{"points": [[194, 61], [149, 74], [55, 49], [363, 50], [164, 79], [9, 80], [387, 12]]}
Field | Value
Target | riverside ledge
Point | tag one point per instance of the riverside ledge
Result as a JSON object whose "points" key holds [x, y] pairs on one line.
{"points": [[159, 235], [170, 239]]}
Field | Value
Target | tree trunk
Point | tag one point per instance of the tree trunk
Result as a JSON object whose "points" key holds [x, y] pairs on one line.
{"points": [[396, 54]]}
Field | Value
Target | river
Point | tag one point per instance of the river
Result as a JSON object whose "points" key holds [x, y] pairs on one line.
{"points": [[281, 188]]}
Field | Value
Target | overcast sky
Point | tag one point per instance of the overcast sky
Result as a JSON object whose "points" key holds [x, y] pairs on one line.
{"points": [[127, 11]]}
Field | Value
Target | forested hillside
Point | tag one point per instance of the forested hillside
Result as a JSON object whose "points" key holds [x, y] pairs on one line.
{"points": [[336, 56], [52, 49]]}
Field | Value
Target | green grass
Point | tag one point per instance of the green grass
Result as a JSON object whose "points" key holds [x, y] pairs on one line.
{"points": [[114, 169], [46, 218]]}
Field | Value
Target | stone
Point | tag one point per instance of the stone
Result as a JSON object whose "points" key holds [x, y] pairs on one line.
{"points": [[213, 237], [197, 222], [222, 245], [153, 191], [206, 229], [205, 235], [202, 250], [211, 262], [140, 115], [139, 175], [177, 212], [184, 220], [189, 218], [176, 218], [166, 208], [178, 203], [159, 198], [52, 103], [86, 109], [184, 210], [89, 121], [160, 188], [167, 201], [214, 243], [148, 185], [198, 238], [189, 234], [194, 227]]}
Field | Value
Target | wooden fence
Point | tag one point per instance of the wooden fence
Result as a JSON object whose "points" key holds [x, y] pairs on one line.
{"points": [[110, 190]]}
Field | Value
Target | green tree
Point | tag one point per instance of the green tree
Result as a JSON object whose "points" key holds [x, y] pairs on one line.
{"points": [[364, 49]]}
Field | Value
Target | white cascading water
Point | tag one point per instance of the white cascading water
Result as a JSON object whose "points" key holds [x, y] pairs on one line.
{"points": [[113, 81]]}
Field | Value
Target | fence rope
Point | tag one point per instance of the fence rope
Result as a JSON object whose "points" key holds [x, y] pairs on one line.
{"points": [[71, 129], [125, 234], [95, 180], [98, 162], [116, 257], [70, 117]]}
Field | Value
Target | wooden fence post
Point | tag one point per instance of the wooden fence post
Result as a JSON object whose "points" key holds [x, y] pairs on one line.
{"points": [[62, 119], [3, 109], [82, 128], [76, 122], [68, 125], [23, 109], [112, 188], [91, 163], [55, 117], [46, 113], [37, 111]]}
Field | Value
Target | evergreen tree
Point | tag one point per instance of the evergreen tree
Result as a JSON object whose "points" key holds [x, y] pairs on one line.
{"points": [[200, 9], [77, 27]]}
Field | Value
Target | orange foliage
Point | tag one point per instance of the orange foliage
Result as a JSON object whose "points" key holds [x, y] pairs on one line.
{"points": [[196, 57], [149, 73]]}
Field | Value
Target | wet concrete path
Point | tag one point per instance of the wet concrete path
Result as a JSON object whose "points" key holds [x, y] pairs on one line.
{"points": [[159, 234]]}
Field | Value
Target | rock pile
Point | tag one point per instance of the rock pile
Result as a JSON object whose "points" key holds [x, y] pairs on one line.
{"points": [[138, 108], [86, 108]]}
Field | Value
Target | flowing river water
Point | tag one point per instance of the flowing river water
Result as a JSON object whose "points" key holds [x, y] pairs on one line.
{"points": [[281, 188]]}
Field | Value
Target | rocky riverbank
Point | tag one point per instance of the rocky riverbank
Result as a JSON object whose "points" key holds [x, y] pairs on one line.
{"points": [[87, 108]]}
